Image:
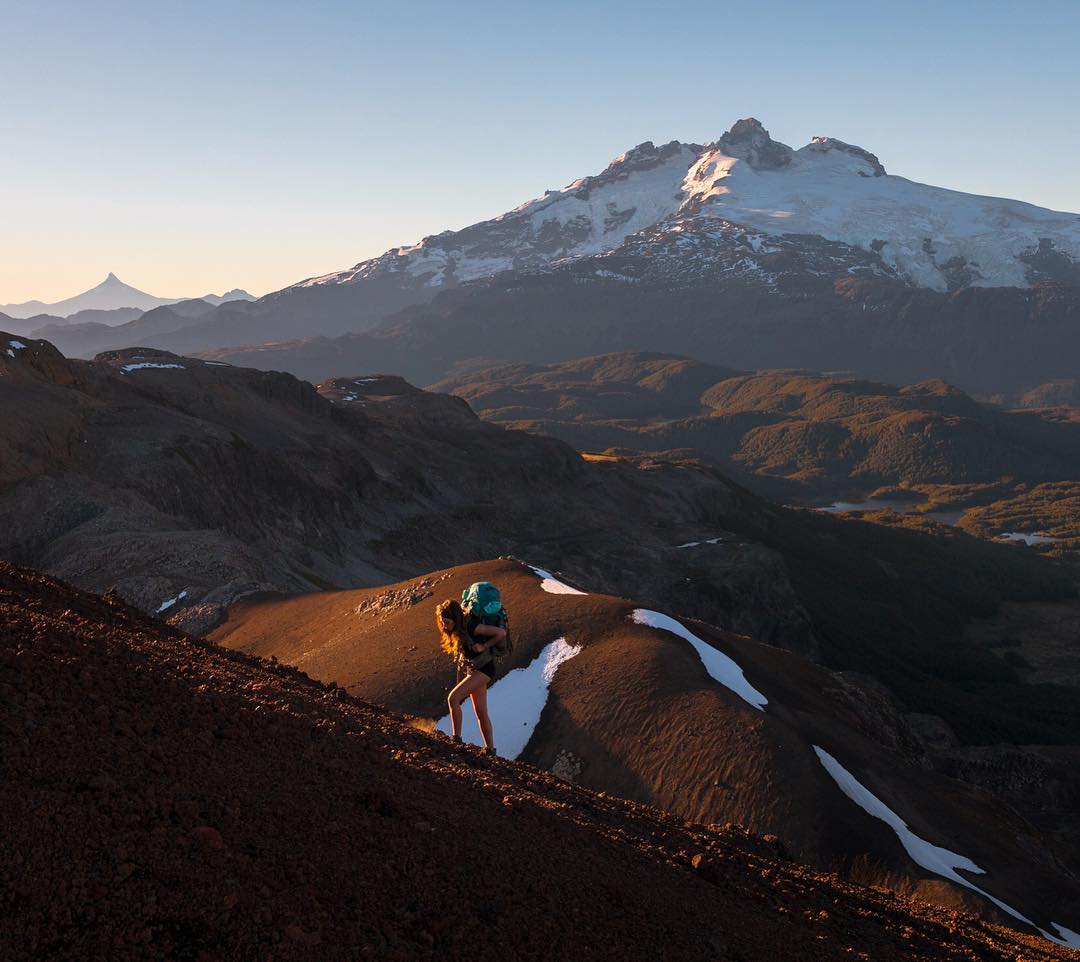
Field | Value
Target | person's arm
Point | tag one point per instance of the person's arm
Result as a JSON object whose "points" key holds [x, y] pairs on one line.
{"points": [[490, 632]]}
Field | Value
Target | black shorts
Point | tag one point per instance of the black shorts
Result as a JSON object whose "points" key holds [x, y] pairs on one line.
{"points": [[488, 669]]}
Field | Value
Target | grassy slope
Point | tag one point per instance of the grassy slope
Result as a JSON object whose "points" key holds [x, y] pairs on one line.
{"points": [[893, 603]]}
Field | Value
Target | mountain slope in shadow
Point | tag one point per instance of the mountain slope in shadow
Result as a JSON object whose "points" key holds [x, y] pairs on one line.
{"points": [[167, 799]]}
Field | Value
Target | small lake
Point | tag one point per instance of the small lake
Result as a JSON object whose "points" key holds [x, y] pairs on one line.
{"points": [[900, 507], [1028, 539], [882, 504]]}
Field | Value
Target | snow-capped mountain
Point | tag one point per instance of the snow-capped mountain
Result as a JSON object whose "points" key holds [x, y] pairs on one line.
{"points": [[733, 205], [741, 252], [110, 294]]}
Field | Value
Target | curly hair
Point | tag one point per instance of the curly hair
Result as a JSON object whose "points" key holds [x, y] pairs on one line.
{"points": [[455, 641]]}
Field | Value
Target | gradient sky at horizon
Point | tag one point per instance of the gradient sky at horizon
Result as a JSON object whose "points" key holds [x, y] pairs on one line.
{"points": [[202, 146]]}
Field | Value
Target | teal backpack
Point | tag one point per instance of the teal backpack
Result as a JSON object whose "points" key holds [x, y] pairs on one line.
{"points": [[481, 600]]}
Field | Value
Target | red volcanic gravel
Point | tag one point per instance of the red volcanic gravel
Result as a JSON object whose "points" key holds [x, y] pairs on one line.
{"points": [[164, 798]]}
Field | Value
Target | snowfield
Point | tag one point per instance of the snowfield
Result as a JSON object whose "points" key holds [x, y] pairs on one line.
{"points": [[722, 668], [928, 236], [516, 701], [836, 195], [931, 857]]}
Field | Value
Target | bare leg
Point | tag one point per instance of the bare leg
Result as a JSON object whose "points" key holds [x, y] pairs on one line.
{"points": [[479, 703], [462, 690]]}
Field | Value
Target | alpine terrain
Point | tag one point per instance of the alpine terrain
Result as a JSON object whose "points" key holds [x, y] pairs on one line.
{"points": [[832, 685], [773, 456], [742, 251]]}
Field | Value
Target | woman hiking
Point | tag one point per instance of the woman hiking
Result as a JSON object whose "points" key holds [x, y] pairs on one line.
{"points": [[470, 643]]}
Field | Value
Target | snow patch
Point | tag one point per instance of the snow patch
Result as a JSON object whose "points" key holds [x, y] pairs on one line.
{"points": [[722, 668], [698, 544], [17, 345], [552, 585], [1068, 936], [931, 857], [516, 701], [142, 365], [169, 602]]}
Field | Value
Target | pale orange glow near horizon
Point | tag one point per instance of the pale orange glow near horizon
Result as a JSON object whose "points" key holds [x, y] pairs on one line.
{"points": [[395, 121]]}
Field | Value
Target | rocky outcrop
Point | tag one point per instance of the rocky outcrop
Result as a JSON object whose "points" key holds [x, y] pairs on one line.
{"points": [[1046, 262], [750, 141]]}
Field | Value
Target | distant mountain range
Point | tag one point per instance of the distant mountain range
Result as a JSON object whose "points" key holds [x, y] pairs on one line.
{"points": [[111, 294]]}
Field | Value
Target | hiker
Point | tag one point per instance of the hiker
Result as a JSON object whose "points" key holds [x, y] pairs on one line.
{"points": [[470, 642]]}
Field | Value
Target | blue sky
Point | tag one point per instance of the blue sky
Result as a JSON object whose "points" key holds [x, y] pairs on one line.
{"points": [[192, 147]]}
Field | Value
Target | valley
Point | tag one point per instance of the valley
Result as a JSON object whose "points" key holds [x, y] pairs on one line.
{"points": [[247, 505], [912, 455]]}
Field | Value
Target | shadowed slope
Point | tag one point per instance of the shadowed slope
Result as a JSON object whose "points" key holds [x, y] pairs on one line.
{"points": [[164, 798], [638, 712]]}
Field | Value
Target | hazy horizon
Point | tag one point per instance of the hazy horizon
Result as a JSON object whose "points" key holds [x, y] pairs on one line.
{"points": [[197, 150]]}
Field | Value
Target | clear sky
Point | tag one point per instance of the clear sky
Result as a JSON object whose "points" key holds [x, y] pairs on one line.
{"points": [[196, 146]]}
